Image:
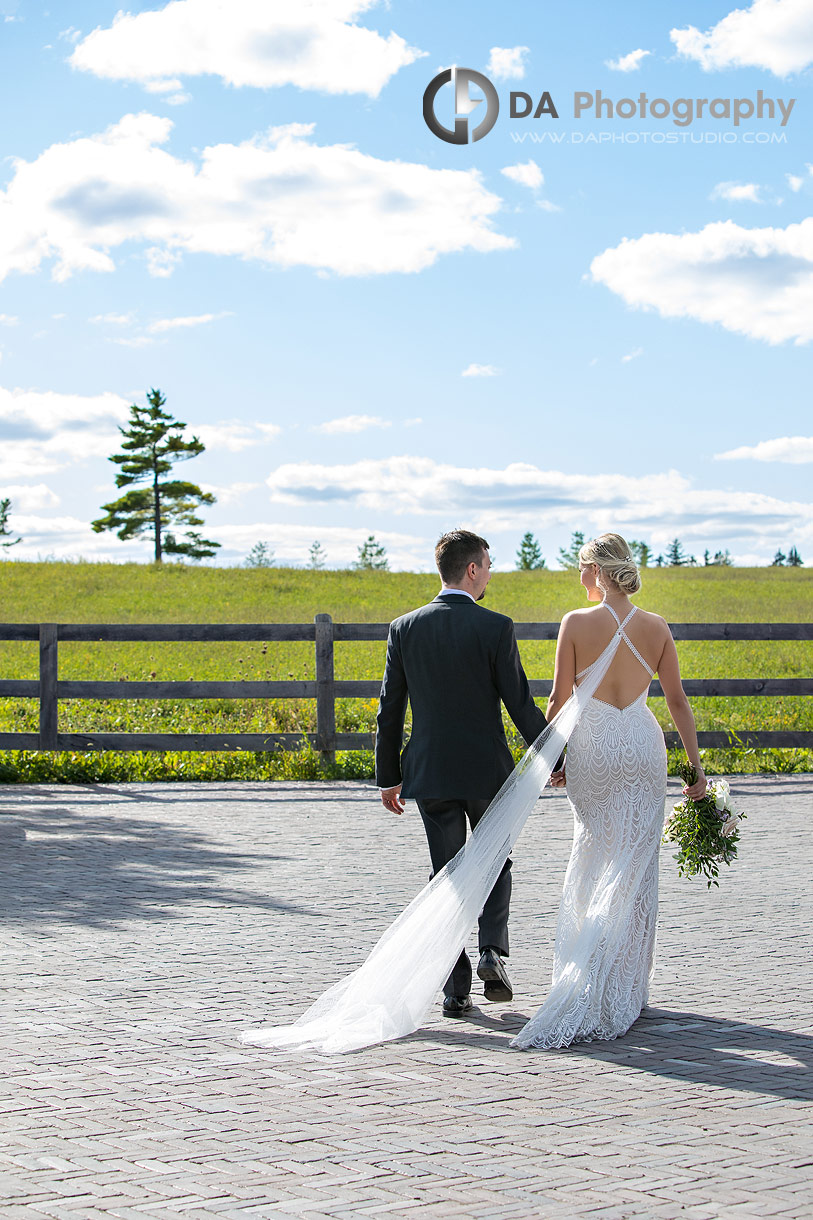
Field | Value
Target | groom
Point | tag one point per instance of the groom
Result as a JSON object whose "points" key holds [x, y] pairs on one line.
{"points": [[455, 661]]}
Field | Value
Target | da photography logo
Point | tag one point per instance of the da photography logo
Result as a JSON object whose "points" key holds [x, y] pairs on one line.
{"points": [[461, 79]]}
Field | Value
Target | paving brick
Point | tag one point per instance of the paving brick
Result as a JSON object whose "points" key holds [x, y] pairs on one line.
{"points": [[147, 925]]}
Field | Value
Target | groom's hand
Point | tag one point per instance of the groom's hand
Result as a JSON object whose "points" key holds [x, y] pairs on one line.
{"points": [[391, 799], [558, 779]]}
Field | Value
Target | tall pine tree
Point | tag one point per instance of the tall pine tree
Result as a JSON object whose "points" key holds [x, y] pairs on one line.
{"points": [[569, 558], [529, 555], [641, 553], [153, 443], [372, 555], [5, 533], [675, 555]]}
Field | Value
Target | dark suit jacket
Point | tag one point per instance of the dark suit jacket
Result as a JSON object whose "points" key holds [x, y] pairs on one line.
{"points": [[455, 661]]}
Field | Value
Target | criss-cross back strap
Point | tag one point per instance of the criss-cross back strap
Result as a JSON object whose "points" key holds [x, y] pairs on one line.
{"points": [[626, 640]]}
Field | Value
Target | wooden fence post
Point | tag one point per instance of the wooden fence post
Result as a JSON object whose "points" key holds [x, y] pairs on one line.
{"points": [[325, 689], [49, 707]]}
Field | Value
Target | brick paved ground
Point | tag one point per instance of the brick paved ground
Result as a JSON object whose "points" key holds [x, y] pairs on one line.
{"points": [[146, 925]]}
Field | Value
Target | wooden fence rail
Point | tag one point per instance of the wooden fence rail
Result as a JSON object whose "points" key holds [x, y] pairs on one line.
{"points": [[323, 633]]}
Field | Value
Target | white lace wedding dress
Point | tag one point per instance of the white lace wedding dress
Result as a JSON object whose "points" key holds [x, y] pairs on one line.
{"points": [[605, 936]]}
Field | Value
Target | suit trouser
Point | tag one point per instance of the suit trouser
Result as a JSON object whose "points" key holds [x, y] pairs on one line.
{"points": [[445, 824]]}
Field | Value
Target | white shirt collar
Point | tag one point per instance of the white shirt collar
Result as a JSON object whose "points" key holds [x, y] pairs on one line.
{"points": [[462, 592]]}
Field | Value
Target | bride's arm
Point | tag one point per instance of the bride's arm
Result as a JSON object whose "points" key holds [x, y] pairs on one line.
{"points": [[681, 713], [564, 675], [564, 669]]}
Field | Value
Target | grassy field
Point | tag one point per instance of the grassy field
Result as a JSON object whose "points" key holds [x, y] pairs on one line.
{"points": [[86, 592]]}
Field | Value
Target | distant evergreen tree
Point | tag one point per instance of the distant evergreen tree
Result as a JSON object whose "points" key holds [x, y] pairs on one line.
{"points": [[316, 556], [641, 553], [153, 443], [529, 555], [569, 558], [675, 555], [794, 558], [260, 556], [659, 561], [722, 559], [778, 560], [5, 533], [372, 555], [707, 558]]}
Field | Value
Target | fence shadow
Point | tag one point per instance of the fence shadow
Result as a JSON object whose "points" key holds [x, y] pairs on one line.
{"points": [[684, 1046], [60, 865]]}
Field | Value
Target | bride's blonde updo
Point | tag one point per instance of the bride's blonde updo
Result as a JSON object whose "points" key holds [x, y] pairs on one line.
{"points": [[612, 555]]}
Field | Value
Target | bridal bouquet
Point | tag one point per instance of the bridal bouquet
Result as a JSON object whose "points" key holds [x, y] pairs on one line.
{"points": [[706, 831]]}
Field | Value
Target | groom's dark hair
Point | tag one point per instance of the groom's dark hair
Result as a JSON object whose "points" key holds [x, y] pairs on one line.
{"points": [[455, 551]]}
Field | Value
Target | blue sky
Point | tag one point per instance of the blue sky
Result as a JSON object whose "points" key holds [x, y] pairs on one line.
{"points": [[377, 331]]}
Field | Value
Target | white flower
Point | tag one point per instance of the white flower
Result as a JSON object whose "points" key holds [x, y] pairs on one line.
{"points": [[730, 826], [722, 785], [719, 798]]}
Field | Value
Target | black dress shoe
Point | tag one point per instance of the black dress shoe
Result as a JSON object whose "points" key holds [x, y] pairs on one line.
{"points": [[491, 970], [457, 1005]]}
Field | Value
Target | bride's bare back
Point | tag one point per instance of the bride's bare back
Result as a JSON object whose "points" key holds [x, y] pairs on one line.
{"points": [[590, 632]]}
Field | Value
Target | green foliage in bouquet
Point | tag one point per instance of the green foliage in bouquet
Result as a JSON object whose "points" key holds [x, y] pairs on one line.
{"points": [[706, 831]]}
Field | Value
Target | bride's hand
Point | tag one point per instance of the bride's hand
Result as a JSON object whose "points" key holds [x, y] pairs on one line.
{"points": [[558, 779], [698, 789]]}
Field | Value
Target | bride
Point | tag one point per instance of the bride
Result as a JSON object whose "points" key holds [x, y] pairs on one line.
{"points": [[616, 777], [616, 780]]}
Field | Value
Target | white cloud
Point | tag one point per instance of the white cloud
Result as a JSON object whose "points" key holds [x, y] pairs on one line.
{"points": [[480, 370], [178, 99], [756, 282], [278, 198], [42, 431], [230, 493], [70, 538], [628, 63], [794, 182], [113, 319], [236, 436], [133, 340], [161, 263], [633, 355], [526, 174], [314, 45], [797, 450], [737, 192], [413, 423], [200, 319], [656, 506], [507, 63], [7, 319], [351, 423], [269, 431], [162, 86], [26, 496], [772, 34]]}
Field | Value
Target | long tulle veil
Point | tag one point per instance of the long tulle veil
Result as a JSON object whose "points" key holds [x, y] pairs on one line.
{"points": [[391, 993]]}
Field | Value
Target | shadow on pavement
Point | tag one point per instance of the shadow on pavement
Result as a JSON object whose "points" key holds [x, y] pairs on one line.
{"points": [[677, 1045], [102, 871], [15, 798]]}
